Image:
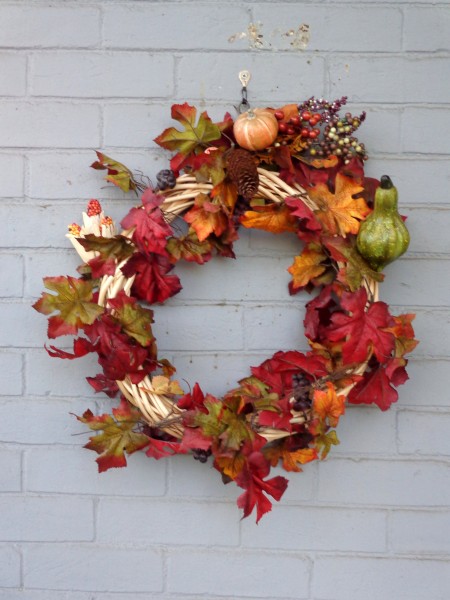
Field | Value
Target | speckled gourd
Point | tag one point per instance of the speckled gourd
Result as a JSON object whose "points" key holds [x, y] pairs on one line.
{"points": [[383, 236]]}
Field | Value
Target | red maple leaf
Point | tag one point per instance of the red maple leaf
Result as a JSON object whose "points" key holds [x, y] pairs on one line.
{"points": [[161, 448], [362, 329], [319, 312], [152, 282], [308, 225], [101, 383], [118, 354], [150, 228], [374, 388], [251, 478]]}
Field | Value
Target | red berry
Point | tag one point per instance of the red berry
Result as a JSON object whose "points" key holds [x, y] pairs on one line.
{"points": [[279, 115], [313, 134], [306, 115], [317, 116], [295, 120], [282, 127], [93, 208], [290, 131], [304, 132]]}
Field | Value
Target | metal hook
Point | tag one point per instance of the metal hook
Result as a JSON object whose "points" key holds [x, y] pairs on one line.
{"points": [[244, 78]]}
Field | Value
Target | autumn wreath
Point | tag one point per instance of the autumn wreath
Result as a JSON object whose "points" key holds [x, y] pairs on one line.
{"points": [[295, 169]]}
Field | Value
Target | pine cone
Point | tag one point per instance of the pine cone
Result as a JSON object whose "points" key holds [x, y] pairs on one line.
{"points": [[243, 172]]}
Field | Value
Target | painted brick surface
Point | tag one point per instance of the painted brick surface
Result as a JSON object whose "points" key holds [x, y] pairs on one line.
{"points": [[370, 522]]}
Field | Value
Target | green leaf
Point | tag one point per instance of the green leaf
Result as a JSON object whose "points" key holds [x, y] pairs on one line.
{"points": [[118, 174], [193, 135], [73, 301], [117, 437], [356, 268], [118, 247], [135, 320], [211, 423]]}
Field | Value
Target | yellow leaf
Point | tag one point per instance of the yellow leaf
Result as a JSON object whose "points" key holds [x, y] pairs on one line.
{"points": [[328, 405], [307, 266], [340, 213], [290, 460], [164, 386], [275, 218]]}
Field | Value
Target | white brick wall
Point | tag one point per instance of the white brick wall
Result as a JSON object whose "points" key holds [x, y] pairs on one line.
{"points": [[372, 521]]}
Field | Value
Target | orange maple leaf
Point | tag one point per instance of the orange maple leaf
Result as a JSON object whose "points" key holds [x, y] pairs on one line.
{"points": [[226, 193], [275, 218], [340, 212], [290, 459], [206, 217], [231, 465], [307, 266], [328, 405]]}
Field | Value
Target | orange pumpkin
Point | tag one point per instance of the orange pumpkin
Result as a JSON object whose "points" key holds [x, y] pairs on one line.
{"points": [[255, 129]]}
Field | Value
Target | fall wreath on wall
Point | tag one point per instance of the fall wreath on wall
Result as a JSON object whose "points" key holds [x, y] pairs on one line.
{"points": [[298, 168]]}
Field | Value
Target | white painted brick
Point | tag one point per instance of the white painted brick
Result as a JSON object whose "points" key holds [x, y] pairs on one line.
{"points": [[423, 433], [254, 279], [49, 124], [348, 578], [32, 330], [378, 27], [168, 523], [306, 528], [198, 327], [190, 479], [215, 372], [419, 126], [386, 483], [429, 533], [275, 327], [432, 328], [104, 74], [22, 594], [212, 76], [41, 519], [74, 470], [11, 367], [425, 385], [381, 131], [388, 79], [12, 186], [301, 487], [264, 243], [39, 264], [134, 125], [163, 25], [253, 574], [40, 422], [9, 567], [437, 220], [104, 568], [28, 26], [366, 430], [14, 71], [67, 175], [414, 190], [68, 377], [12, 286], [426, 28], [400, 284], [53, 218], [10, 470]]}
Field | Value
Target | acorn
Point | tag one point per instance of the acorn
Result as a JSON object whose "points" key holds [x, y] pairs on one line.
{"points": [[383, 236]]}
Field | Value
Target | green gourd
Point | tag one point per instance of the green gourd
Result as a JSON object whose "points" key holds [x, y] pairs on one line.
{"points": [[383, 236]]}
